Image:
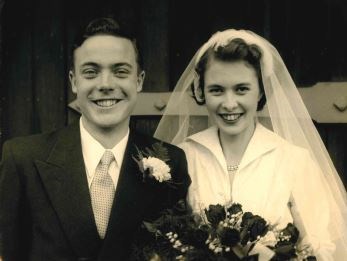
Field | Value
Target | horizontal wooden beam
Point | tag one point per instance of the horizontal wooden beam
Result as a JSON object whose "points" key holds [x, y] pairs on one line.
{"points": [[325, 101]]}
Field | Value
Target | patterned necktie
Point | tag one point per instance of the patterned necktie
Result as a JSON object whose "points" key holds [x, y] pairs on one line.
{"points": [[102, 193]]}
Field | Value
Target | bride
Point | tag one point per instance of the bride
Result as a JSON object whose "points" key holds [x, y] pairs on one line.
{"points": [[282, 172]]}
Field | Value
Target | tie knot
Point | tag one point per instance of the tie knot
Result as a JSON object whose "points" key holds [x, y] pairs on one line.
{"points": [[107, 158]]}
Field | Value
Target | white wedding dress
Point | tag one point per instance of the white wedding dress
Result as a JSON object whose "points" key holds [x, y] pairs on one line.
{"points": [[275, 180]]}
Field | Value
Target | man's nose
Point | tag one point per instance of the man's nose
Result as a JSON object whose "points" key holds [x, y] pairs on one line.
{"points": [[106, 82], [230, 101]]}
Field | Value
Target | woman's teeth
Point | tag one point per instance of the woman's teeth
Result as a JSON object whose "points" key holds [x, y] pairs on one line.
{"points": [[231, 117]]}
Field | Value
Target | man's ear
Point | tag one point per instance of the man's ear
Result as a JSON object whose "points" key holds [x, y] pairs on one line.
{"points": [[140, 80], [72, 79]]}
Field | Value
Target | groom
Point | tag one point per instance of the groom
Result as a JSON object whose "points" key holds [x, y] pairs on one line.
{"points": [[78, 193]]}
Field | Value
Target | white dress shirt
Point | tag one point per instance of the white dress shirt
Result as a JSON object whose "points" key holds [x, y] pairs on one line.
{"points": [[92, 152]]}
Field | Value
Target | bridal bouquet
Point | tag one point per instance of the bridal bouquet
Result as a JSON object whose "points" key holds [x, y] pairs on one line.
{"points": [[218, 233]]}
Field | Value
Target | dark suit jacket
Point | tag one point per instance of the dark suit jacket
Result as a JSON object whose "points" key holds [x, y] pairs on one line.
{"points": [[45, 206]]}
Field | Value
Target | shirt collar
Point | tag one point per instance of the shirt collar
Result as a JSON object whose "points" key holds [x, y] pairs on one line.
{"points": [[92, 150]]}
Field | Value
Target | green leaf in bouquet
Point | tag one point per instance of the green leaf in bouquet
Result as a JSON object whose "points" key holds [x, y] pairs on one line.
{"points": [[195, 236], [150, 227], [228, 236], [199, 255], [284, 251], [180, 207], [251, 258], [244, 236], [239, 251]]}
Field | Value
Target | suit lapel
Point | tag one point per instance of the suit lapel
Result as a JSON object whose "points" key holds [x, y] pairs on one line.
{"points": [[64, 178]]}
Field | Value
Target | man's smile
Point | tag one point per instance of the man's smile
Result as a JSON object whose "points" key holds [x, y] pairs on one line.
{"points": [[107, 102]]}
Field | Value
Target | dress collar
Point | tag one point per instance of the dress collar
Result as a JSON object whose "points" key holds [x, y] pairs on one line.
{"points": [[262, 141]]}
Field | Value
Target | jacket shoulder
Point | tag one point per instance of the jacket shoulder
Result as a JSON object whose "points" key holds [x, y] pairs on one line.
{"points": [[32, 146]]}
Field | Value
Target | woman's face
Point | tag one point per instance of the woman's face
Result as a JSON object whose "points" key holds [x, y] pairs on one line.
{"points": [[232, 94]]}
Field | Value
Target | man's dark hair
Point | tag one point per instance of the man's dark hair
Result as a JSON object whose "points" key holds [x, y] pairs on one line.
{"points": [[105, 26]]}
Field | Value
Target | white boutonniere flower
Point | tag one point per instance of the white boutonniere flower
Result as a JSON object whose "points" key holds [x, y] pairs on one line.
{"points": [[152, 163], [157, 168]]}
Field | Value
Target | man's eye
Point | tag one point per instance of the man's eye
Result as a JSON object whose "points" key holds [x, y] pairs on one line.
{"points": [[121, 73], [90, 73]]}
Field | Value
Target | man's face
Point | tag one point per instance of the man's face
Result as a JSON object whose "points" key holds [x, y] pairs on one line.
{"points": [[106, 81]]}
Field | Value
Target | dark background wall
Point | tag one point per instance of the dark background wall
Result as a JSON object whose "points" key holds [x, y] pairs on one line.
{"points": [[36, 37]]}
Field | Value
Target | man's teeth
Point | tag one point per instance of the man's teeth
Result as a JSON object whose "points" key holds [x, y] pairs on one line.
{"points": [[231, 117], [106, 103]]}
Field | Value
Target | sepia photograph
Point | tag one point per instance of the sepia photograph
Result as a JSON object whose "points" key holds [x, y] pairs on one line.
{"points": [[163, 130]]}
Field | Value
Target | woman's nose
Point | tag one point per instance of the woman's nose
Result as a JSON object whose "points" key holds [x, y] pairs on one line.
{"points": [[229, 102]]}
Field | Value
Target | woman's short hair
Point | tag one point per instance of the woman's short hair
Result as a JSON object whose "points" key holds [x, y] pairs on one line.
{"points": [[235, 50]]}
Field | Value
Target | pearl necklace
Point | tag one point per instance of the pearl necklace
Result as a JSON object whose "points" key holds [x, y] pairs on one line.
{"points": [[232, 168]]}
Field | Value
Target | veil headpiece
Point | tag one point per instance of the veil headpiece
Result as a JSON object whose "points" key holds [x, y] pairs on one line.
{"points": [[288, 116]]}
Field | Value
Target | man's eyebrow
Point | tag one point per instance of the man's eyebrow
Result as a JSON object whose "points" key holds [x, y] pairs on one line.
{"points": [[90, 64], [113, 66], [121, 64]]}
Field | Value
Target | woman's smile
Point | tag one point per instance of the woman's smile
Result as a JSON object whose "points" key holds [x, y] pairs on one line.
{"points": [[230, 117]]}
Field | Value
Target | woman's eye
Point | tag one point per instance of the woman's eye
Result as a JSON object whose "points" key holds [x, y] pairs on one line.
{"points": [[242, 89], [215, 90]]}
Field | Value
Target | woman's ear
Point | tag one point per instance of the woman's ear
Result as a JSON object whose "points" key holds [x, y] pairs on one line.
{"points": [[198, 93]]}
